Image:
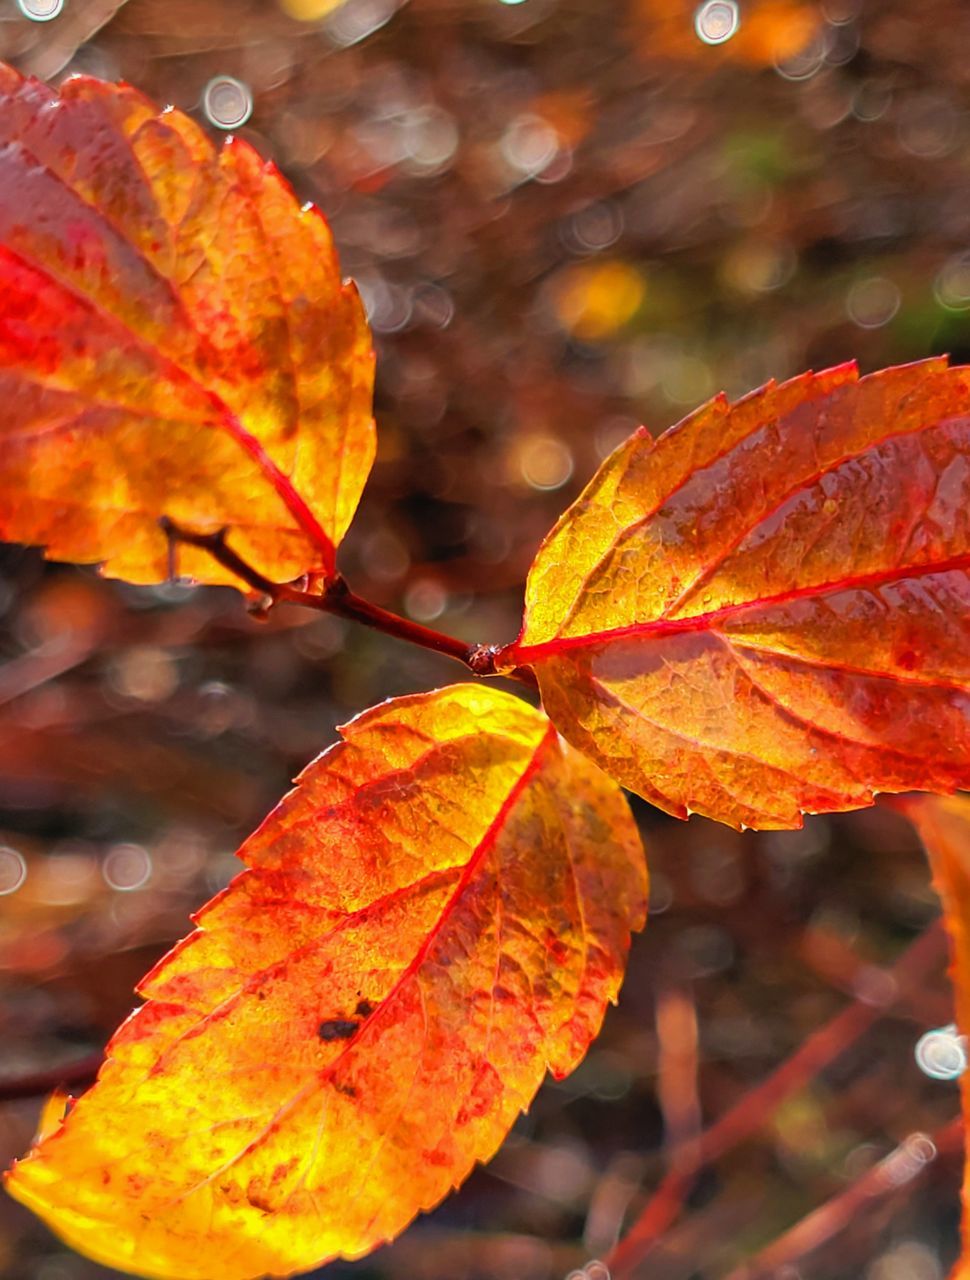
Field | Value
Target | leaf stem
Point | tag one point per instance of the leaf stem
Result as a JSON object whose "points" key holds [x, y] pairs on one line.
{"points": [[337, 598]]}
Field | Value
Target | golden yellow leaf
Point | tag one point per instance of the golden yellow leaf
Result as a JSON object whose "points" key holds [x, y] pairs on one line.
{"points": [[440, 910]]}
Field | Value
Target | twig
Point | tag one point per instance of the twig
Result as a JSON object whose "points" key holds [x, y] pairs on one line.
{"points": [[676, 1022], [32, 670], [899, 1169], [337, 598], [760, 1103]]}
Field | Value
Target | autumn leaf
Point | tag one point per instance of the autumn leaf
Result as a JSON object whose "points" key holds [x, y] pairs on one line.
{"points": [[174, 339], [440, 910], [766, 611], [944, 826]]}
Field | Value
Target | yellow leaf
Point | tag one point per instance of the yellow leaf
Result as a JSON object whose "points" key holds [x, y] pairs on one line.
{"points": [[440, 910]]}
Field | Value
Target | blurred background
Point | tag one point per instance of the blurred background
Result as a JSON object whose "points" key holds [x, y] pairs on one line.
{"points": [[566, 217]]}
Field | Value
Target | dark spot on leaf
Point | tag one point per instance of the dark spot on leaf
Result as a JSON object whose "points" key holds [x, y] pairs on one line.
{"points": [[337, 1029], [260, 1202], [233, 1192], [483, 1096], [282, 1171], [364, 1009], [346, 1088]]}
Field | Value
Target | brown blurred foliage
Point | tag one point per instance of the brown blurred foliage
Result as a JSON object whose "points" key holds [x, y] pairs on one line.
{"points": [[566, 218]]}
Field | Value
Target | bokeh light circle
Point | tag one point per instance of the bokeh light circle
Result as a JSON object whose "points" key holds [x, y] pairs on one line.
{"points": [[941, 1053], [13, 870], [872, 302], [716, 21], [952, 285], [40, 10], [227, 102], [126, 867]]}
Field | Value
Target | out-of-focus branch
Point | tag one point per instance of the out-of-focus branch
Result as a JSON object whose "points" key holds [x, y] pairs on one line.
{"points": [[899, 1169], [759, 1104]]}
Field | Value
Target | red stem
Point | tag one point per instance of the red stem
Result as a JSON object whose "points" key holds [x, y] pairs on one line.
{"points": [[337, 598], [343, 602]]}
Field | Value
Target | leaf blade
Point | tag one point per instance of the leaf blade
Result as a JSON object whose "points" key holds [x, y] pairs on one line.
{"points": [[464, 918], [161, 353], [765, 612]]}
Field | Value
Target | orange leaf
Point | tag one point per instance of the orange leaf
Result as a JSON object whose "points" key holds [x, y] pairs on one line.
{"points": [[944, 826], [437, 912], [767, 611], [174, 339]]}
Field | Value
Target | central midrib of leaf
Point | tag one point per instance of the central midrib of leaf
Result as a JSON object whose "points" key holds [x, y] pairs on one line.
{"points": [[471, 867], [468, 872], [225, 416], [660, 628]]}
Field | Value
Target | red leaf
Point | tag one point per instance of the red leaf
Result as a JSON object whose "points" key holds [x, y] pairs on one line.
{"points": [[174, 340], [767, 611]]}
